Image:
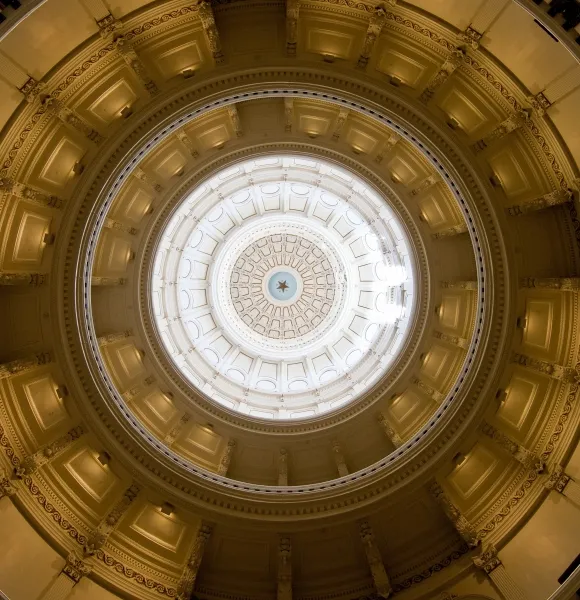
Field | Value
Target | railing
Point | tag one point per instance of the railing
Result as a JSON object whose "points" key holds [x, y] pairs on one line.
{"points": [[567, 591], [12, 12]]}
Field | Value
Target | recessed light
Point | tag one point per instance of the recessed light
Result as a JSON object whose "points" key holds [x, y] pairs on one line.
{"points": [[167, 509]]}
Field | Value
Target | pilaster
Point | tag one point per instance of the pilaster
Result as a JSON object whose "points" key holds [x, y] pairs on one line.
{"points": [[375, 561], [21, 365], [489, 562]]}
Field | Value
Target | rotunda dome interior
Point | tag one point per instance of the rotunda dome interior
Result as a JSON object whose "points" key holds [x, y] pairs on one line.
{"points": [[289, 299]]}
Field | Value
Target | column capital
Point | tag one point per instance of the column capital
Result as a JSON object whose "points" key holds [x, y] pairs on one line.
{"points": [[471, 37], [283, 467], [31, 279], [393, 436], [284, 591], [6, 487], [450, 232], [567, 284], [376, 23], [32, 89], [557, 479], [21, 365], [75, 568], [187, 582], [488, 560]]}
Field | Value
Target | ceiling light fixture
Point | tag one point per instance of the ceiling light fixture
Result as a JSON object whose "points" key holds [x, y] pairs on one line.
{"points": [[126, 112], [187, 73], [104, 458]]}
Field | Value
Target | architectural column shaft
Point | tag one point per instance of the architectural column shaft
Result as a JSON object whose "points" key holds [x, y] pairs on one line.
{"points": [[375, 561], [489, 562], [15, 367], [292, 13], [288, 114], [235, 119], [394, 139], [142, 176], [339, 125], [60, 589], [137, 389], [118, 226]]}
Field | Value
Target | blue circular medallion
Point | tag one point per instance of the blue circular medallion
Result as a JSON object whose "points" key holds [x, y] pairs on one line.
{"points": [[282, 285]]}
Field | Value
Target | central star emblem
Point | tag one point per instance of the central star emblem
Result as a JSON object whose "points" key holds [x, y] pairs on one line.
{"points": [[282, 286]]}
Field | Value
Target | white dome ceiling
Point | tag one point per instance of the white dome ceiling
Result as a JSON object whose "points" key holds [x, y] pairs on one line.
{"points": [[291, 288]]}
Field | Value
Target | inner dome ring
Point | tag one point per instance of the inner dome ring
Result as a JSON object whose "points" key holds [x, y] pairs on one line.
{"points": [[277, 360]]}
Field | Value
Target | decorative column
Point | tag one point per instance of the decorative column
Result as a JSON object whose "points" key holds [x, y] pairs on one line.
{"points": [[471, 37], [393, 436], [226, 458], [459, 285], [564, 374], [32, 279], [489, 562], [27, 192], [73, 571], [138, 389], [235, 119], [283, 467], [376, 24], [521, 454], [67, 116], [512, 123], [118, 226], [47, 453], [186, 584], [546, 201], [143, 177], [97, 538], [562, 483], [339, 125], [288, 114], [6, 487], [125, 49], [186, 141], [566, 284], [111, 338], [210, 29], [21, 365], [32, 89], [434, 394], [427, 183], [339, 459], [447, 69], [284, 591], [452, 339], [450, 232], [375, 561], [108, 281], [176, 430], [292, 13], [461, 524], [392, 141]]}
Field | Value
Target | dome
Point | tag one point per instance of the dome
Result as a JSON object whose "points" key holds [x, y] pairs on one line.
{"points": [[289, 299], [292, 291]]}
